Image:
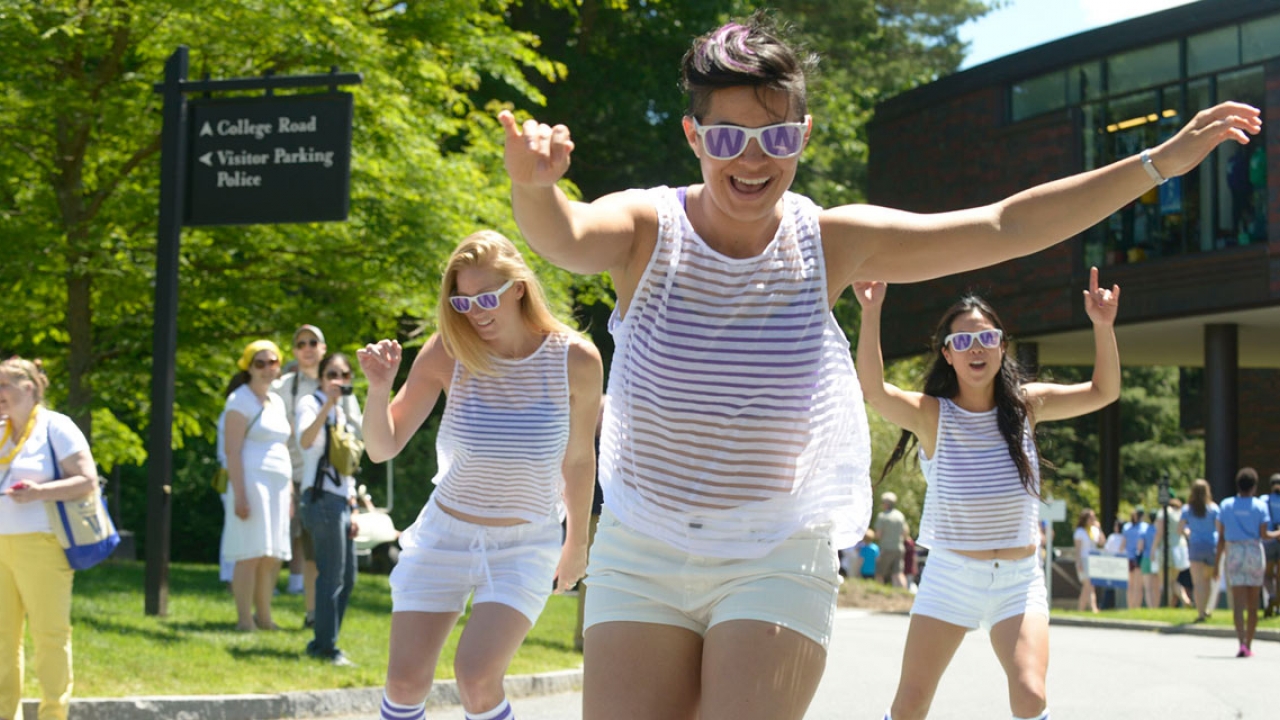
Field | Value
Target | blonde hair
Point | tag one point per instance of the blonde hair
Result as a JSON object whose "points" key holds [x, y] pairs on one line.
{"points": [[31, 371], [492, 250]]}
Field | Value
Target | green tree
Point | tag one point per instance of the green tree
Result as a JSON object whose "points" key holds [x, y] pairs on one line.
{"points": [[79, 142]]}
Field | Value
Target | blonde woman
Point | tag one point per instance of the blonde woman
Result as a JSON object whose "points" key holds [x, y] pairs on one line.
{"points": [[1200, 525], [43, 457], [1088, 538], [515, 457], [255, 535]]}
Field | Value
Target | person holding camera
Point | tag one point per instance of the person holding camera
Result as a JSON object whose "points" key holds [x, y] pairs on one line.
{"points": [[327, 504]]}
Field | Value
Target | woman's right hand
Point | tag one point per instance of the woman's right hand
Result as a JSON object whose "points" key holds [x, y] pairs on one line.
{"points": [[380, 362], [242, 506], [870, 293]]}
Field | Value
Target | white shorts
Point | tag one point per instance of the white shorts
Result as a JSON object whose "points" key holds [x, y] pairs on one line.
{"points": [[980, 593], [444, 560], [635, 578]]}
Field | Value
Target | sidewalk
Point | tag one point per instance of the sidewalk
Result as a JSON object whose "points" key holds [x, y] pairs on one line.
{"points": [[365, 701]]}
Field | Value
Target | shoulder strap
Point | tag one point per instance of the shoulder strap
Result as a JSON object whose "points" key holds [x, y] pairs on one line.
{"points": [[53, 454], [295, 388]]}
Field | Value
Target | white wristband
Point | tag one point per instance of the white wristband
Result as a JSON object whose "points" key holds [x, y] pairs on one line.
{"points": [[1150, 167]]}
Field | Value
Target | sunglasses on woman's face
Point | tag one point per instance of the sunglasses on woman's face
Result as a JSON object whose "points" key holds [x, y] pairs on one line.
{"points": [[726, 142], [961, 341], [261, 364], [306, 343], [337, 375], [485, 301]]}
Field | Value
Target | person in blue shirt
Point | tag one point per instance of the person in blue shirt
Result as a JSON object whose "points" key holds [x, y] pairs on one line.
{"points": [[1272, 549], [1242, 524], [870, 553], [1135, 535], [1200, 524], [1150, 578]]}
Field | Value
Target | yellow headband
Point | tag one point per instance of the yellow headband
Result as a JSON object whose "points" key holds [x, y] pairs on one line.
{"points": [[254, 348]]}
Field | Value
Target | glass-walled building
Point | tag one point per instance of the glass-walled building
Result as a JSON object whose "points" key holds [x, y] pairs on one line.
{"points": [[1139, 97], [1198, 257]]}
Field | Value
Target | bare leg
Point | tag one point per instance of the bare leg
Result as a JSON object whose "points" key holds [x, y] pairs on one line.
{"points": [[1134, 591], [1088, 598], [416, 641], [931, 643], [1022, 646], [1151, 588], [243, 581], [267, 573], [1251, 612], [491, 638], [641, 671], [1201, 583], [1239, 601], [758, 670]]}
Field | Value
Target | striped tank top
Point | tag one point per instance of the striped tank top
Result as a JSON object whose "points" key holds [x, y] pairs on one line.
{"points": [[975, 499], [502, 440], [734, 418]]}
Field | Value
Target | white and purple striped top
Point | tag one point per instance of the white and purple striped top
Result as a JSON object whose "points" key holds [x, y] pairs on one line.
{"points": [[975, 499], [502, 440], [734, 418]]}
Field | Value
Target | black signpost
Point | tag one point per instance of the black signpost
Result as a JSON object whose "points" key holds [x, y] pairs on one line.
{"points": [[231, 161]]}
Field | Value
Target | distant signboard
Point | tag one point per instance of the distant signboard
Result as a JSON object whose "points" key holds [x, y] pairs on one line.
{"points": [[1054, 510], [269, 159], [1108, 571]]}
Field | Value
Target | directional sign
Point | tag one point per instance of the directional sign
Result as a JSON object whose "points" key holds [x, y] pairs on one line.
{"points": [[269, 160]]}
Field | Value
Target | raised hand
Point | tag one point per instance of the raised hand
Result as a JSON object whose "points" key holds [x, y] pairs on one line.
{"points": [[870, 293], [1101, 304], [536, 153], [379, 362], [1207, 130]]}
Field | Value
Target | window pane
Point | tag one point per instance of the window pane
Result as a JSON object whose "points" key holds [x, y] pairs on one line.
{"points": [[1242, 169], [1149, 66], [1260, 39], [1214, 50], [1038, 95], [1200, 212], [1084, 82]]}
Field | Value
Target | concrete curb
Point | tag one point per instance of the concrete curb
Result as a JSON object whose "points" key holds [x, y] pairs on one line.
{"points": [[314, 703]]}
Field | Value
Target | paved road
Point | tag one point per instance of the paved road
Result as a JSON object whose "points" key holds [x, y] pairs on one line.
{"points": [[1094, 673]]}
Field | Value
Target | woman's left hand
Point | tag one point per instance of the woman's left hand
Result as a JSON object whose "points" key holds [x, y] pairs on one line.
{"points": [[1100, 304], [572, 567], [354, 531]]}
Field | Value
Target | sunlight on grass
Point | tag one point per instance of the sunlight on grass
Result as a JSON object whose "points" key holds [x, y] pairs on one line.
{"points": [[1170, 616], [119, 651]]}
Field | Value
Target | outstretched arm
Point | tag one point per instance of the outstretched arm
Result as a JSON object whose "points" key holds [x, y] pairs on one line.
{"points": [[388, 424], [907, 410], [1056, 402], [868, 242], [585, 238]]}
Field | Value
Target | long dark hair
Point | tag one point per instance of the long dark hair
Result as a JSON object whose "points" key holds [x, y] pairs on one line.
{"points": [[1012, 407]]}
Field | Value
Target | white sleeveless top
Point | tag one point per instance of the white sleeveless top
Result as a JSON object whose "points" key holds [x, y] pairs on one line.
{"points": [[501, 444], [734, 418], [975, 499]]}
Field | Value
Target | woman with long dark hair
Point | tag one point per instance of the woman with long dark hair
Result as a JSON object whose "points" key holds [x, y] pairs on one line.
{"points": [[974, 425], [1200, 524], [327, 504]]}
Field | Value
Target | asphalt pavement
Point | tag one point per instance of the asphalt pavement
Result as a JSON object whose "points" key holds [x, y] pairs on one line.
{"points": [[1098, 669]]}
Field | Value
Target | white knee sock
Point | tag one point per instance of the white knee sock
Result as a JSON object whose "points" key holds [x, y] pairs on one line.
{"points": [[1042, 716], [502, 712], [396, 711]]}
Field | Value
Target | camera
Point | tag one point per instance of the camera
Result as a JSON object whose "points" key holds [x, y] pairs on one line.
{"points": [[347, 389]]}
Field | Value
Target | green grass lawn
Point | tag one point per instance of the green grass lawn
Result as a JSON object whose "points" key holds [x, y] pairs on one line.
{"points": [[1170, 616], [195, 650]]}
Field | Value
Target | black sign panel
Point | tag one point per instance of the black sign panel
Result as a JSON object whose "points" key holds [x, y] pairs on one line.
{"points": [[269, 160]]}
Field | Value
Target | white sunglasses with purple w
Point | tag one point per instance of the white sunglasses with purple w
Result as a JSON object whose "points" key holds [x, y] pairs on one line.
{"points": [[961, 341], [485, 300], [726, 142]]}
